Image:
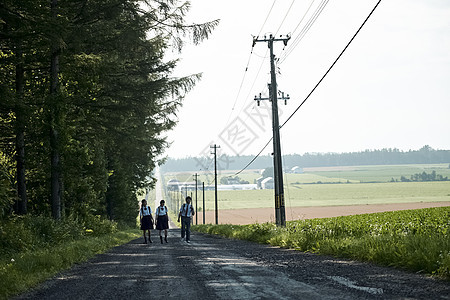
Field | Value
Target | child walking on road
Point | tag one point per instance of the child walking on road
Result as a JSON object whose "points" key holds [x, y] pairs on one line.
{"points": [[145, 214], [186, 212], [162, 220]]}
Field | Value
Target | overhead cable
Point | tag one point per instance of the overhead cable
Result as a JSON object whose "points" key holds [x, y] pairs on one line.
{"points": [[334, 63], [315, 87], [267, 17], [246, 67], [305, 29], [254, 158], [304, 15], [285, 16]]}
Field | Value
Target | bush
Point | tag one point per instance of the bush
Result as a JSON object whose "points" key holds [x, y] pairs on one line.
{"points": [[96, 225], [25, 233], [7, 194]]}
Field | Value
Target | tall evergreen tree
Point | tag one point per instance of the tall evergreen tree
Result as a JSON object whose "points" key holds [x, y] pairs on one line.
{"points": [[95, 92]]}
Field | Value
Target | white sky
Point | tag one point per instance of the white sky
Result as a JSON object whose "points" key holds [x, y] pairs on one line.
{"points": [[391, 88]]}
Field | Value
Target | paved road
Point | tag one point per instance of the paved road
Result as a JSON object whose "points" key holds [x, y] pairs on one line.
{"points": [[215, 268]]}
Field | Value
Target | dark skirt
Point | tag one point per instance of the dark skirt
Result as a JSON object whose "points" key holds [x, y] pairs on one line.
{"points": [[162, 222], [147, 223]]}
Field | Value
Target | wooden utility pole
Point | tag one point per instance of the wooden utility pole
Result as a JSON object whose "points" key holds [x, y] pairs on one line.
{"points": [[196, 208], [203, 184], [215, 182], [280, 213]]}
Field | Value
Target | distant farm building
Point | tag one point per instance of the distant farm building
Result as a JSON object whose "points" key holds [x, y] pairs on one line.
{"points": [[267, 183], [297, 170], [236, 187], [259, 181]]}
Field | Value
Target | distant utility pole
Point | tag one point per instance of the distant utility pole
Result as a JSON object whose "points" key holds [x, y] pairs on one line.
{"points": [[215, 181], [203, 184], [196, 208], [280, 213]]}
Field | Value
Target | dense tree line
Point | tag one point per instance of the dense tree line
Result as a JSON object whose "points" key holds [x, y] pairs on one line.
{"points": [[425, 155], [424, 176], [86, 94]]}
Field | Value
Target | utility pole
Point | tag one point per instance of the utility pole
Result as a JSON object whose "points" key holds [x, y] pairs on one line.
{"points": [[203, 183], [196, 210], [177, 194], [280, 213], [215, 181]]}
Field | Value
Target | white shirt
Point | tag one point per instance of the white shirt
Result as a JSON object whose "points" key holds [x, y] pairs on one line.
{"points": [[145, 211], [161, 211], [187, 207]]}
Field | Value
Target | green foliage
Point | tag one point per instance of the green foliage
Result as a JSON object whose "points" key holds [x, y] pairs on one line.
{"points": [[417, 240], [7, 195], [232, 180], [424, 176], [106, 106], [20, 271], [28, 233], [268, 172], [34, 248]]}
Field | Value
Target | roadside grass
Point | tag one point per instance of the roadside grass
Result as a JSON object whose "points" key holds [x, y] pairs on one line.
{"points": [[415, 240], [33, 249]]}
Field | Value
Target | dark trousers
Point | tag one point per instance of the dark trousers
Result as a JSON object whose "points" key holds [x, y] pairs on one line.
{"points": [[186, 228]]}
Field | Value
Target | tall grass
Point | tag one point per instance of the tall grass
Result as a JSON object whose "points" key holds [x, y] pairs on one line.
{"points": [[416, 240], [34, 248]]}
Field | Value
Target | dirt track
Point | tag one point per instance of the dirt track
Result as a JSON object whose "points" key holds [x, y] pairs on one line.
{"points": [[262, 215]]}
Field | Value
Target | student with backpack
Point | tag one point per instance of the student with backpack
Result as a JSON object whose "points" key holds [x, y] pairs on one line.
{"points": [[162, 220], [145, 214], [186, 212]]}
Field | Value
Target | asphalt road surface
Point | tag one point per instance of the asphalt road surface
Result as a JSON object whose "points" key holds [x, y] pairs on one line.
{"points": [[216, 268]]}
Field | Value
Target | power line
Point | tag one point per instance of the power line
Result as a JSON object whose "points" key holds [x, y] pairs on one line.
{"points": [[256, 156], [334, 63], [267, 17], [251, 88], [246, 68], [305, 29], [285, 16], [301, 20], [308, 25], [240, 86], [320, 81]]}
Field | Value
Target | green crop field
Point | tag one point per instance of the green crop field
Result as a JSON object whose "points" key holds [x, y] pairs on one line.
{"points": [[334, 194], [356, 185], [381, 173]]}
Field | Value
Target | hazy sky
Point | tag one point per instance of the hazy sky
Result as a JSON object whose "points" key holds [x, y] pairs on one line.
{"points": [[391, 88]]}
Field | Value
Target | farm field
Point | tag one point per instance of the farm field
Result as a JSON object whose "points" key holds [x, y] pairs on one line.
{"points": [[378, 173], [332, 195], [261, 215], [360, 174], [331, 187], [335, 194]]}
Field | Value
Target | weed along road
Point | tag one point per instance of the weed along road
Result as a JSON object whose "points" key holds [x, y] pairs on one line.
{"points": [[217, 268]]}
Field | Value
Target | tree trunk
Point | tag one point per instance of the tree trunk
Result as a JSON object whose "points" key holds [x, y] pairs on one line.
{"points": [[54, 122], [20, 144]]}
